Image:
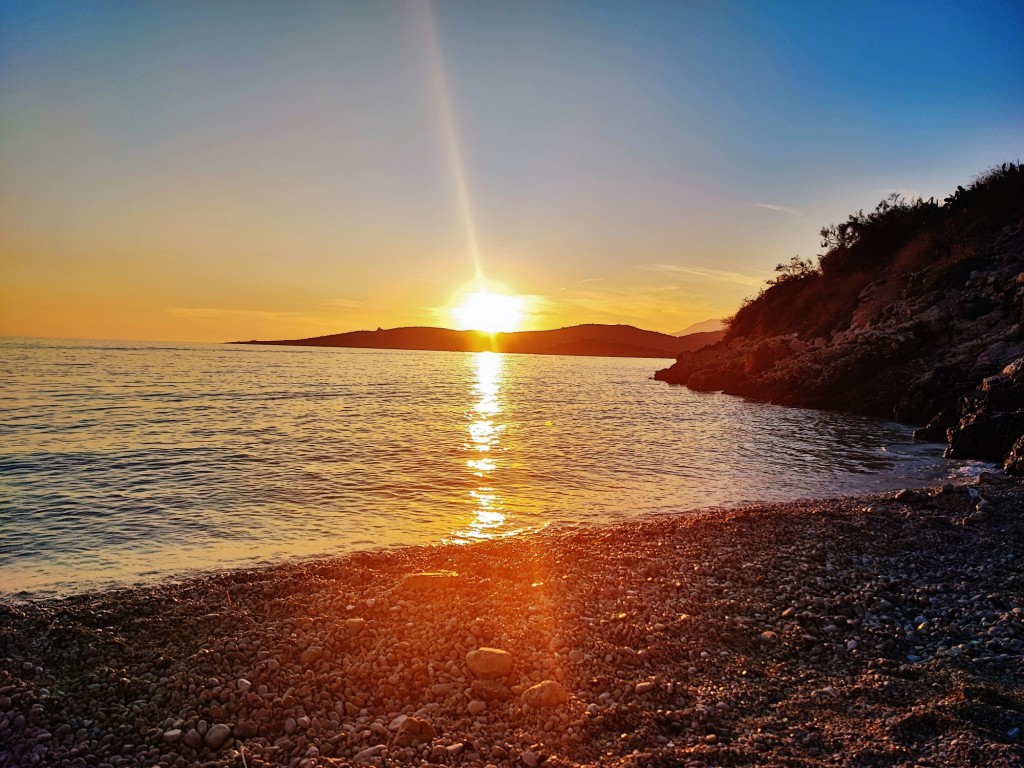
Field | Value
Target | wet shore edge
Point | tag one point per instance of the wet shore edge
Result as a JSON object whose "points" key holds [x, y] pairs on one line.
{"points": [[880, 630]]}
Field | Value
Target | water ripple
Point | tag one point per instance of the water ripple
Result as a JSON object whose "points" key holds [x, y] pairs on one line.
{"points": [[124, 462]]}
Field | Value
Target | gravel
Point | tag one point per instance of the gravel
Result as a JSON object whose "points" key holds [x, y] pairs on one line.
{"points": [[860, 631]]}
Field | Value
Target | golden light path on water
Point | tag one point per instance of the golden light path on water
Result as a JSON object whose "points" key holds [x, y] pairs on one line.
{"points": [[484, 444]]}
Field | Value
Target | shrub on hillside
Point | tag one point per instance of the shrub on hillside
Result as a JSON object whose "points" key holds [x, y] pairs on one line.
{"points": [[812, 300]]}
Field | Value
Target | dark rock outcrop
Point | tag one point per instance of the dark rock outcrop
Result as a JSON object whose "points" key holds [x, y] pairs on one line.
{"points": [[991, 419], [927, 337]]}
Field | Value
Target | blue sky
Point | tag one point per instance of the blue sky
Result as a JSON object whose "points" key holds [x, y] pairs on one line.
{"points": [[217, 170]]}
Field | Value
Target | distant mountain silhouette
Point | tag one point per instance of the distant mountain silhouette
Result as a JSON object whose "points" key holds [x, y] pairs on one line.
{"points": [[588, 340], [716, 324]]}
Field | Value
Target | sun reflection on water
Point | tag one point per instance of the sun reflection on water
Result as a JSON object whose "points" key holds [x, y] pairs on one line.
{"points": [[485, 430]]}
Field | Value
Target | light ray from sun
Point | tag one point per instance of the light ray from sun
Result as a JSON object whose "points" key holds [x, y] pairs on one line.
{"points": [[449, 132]]}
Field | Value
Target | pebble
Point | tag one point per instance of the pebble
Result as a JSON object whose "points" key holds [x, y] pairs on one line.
{"points": [[548, 693], [367, 754], [475, 707], [430, 581], [414, 731], [193, 738]]}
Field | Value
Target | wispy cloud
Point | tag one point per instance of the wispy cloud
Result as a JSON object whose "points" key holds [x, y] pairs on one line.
{"points": [[249, 315], [349, 304], [778, 209], [607, 301], [706, 273], [587, 281]]}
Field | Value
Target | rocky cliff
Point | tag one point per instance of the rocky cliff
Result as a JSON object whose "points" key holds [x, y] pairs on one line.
{"points": [[914, 312]]}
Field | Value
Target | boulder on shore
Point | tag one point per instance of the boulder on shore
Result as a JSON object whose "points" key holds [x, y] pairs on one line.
{"points": [[489, 663]]}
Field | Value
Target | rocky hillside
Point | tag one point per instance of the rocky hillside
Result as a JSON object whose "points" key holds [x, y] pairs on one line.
{"points": [[914, 312]]}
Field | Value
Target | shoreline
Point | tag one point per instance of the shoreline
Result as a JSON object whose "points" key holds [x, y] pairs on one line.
{"points": [[860, 630]]}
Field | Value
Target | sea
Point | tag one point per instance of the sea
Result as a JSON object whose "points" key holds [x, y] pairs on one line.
{"points": [[128, 463]]}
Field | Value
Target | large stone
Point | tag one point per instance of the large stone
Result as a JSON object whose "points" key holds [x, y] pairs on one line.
{"points": [[489, 663], [546, 694], [217, 736], [413, 732], [310, 656]]}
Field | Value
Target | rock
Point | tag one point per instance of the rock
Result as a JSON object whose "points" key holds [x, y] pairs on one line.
{"points": [[310, 656], [768, 636], [529, 758], [475, 707], [217, 736], [644, 687], [243, 685], [986, 435], [414, 732], [906, 495], [367, 754], [193, 738], [1013, 464], [490, 690], [489, 663], [430, 581], [545, 694], [355, 626], [172, 736], [246, 729], [935, 430]]}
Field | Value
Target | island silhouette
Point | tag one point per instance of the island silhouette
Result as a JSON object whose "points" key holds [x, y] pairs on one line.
{"points": [[593, 340]]}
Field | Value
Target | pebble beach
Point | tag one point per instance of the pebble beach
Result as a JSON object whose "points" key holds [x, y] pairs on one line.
{"points": [[885, 630]]}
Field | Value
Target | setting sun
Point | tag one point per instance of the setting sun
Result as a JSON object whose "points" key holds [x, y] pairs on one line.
{"points": [[489, 312]]}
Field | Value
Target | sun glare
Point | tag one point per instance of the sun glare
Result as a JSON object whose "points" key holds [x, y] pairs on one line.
{"points": [[489, 312]]}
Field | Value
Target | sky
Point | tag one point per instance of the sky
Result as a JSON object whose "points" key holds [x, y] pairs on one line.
{"points": [[198, 171]]}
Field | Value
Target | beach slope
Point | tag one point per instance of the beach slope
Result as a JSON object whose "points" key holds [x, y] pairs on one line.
{"points": [[883, 630]]}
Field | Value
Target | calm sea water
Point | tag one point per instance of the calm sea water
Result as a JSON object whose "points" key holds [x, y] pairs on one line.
{"points": [[123, 463]]}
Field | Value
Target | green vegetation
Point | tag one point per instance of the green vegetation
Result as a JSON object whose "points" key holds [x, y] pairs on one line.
{"points": [[899, 236]]}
